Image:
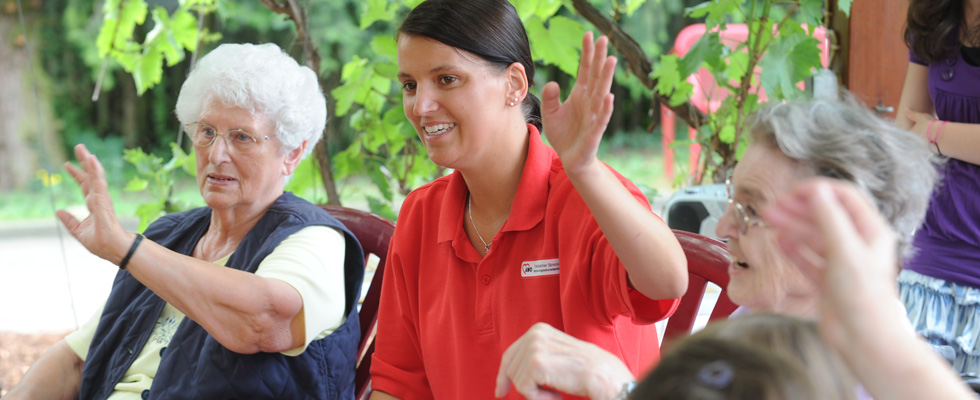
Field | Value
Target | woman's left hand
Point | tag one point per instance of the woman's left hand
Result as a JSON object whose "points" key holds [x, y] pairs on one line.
{"points": [[574, 128], [100, 232], [919, 122]]}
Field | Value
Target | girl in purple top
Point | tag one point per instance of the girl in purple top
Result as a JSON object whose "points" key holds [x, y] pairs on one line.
{"points": [[940, 285]]}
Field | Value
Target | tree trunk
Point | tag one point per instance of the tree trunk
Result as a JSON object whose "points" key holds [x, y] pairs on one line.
{"points": [[16, 160], [295, 12]]}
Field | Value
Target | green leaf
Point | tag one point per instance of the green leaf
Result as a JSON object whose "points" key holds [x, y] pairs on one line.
{"points": [[146, 164], [381, 208], [380, 179], [667, 74], [149, 73], [707, 50], [183, 26], [558, 44], [349, 162], [791, 58], [105, 38], [632, 6], [148, 212], [387, 70], [133, 14], [525, 8], [377, 10], [727, 133], [385, 46], [738, 62], [547, 8], [714, 12], [190, 164], [346, 93], [158, 41], [136, 184], [844, 6], [681, 93], [811, 12], [306, 177]]}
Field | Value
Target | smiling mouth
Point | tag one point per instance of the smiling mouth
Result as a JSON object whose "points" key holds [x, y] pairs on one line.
{"points": [[738, 264], [438, 129]]}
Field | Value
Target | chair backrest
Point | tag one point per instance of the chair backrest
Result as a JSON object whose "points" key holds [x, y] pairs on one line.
{"points": [[374, 233], [707, 261]]}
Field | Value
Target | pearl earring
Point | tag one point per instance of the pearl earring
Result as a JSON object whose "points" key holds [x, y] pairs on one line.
{"points": [[510, 103]]}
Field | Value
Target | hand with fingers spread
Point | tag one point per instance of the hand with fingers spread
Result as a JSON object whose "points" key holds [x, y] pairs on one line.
{"points": [[837, 237], [258, 270], [100, 232], [575, 127], [546, 361], [841, 240]]}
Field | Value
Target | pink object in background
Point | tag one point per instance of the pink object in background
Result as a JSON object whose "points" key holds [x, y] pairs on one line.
{"points": [[706, 94]]}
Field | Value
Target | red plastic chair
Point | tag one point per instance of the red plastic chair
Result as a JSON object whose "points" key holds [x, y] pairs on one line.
{"points": [[707, 261], [374, 233]]}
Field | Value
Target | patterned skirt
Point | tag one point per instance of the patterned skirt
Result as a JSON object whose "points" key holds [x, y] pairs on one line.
{"points": [[945, 313]]}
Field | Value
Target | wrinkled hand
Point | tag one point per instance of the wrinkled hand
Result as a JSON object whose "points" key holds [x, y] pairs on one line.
{"points": [[839, 240], [100, 232], [574, 128], [919, 122], [545, 360]]}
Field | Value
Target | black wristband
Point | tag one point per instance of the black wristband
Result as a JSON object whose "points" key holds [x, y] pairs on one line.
{"points": [[132, 249]]}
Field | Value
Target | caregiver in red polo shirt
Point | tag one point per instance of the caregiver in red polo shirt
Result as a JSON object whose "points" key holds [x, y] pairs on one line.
{"points": [[521, 232]]}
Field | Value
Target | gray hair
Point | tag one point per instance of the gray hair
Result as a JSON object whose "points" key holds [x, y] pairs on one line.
{"points": [[845, 140], [260, 79]]}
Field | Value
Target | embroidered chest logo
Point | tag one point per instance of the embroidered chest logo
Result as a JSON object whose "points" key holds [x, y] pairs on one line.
{"points": [[539, 268]]}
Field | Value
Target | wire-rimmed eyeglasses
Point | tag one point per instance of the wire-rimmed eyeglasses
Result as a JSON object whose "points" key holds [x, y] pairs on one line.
{"points": [[203, 134], [742, 218]]}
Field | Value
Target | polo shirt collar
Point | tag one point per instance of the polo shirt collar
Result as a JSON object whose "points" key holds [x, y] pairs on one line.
{"points": [[529, 202]]}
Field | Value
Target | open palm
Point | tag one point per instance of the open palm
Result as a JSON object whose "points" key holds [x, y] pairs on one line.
{"points": [[96, 231], [574, 128]]}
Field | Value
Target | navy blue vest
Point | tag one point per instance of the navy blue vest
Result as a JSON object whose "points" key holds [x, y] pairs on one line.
{"points": [[194, 365]]}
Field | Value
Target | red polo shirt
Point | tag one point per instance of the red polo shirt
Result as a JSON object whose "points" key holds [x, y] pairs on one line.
{"points": [[447, 315]]}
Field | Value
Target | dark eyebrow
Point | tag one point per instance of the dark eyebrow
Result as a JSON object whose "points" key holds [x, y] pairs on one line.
{"points": [[447, 67]]}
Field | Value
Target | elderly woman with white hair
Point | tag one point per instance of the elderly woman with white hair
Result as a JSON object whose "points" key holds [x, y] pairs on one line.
{"points": [[789, 144], [252, 296]]}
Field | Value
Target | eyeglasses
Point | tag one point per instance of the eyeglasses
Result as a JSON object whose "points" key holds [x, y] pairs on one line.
{"points": [[742, 219], [242, 141]]}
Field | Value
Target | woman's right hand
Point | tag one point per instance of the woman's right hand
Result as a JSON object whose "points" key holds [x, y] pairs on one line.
{"points": [[100, 232], [545, 359]]}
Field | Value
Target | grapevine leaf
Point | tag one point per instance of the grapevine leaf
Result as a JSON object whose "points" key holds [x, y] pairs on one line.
{"points": [[558, 44], [377, 10], [632, 6], [385, 46]]}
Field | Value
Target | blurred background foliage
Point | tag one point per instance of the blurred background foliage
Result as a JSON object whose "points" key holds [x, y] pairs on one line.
{"points": [[108, 74]]}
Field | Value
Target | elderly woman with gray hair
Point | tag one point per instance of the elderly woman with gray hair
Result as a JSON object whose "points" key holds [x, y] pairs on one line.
{"points": [[252, 296], [789, 143]]}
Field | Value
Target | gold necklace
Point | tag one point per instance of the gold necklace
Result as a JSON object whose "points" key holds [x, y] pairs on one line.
{"points": [[469, 207]]}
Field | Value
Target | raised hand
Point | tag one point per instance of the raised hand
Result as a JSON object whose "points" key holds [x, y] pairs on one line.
{"points": [[838, 238], [574, 128], [100, 232]]}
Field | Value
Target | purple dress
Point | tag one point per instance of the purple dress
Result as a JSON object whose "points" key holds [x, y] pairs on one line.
{"points": [[940, 284], [949, 239]]}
